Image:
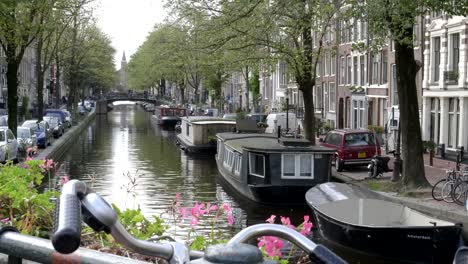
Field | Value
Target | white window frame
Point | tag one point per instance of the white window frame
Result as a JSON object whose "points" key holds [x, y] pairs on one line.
{"points": [[332, 97], [237, 164], [228, 160], [297, 166], [250, 165]]}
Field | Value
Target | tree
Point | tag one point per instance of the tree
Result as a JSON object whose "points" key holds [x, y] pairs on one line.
{"points": [[394, 19], [282, 29], [18, 29]]}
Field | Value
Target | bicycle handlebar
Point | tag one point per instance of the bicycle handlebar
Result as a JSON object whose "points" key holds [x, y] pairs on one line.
{"points": [[67, 222], [76, 201]]}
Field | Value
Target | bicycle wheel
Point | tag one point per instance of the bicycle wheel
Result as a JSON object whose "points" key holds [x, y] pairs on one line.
{"points": [[447, 191], [437, 190], [460, 192]]}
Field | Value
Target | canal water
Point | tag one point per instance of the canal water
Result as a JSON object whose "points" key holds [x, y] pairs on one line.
{"points": [[133, 163]]}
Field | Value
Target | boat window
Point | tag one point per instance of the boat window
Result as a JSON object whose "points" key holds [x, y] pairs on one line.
{"points": [[297, 166], [257, 164], [237, 168], [2, 135], [228, 158], [188, 129], [289, 163]]}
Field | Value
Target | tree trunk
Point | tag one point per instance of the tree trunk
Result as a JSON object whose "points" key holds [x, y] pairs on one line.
{"points": [[412, 150], [247, 89], [57, 84], [40, 81], [12, 84], [309, 118]]}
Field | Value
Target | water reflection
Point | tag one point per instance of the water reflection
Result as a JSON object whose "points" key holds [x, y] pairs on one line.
{"points": [[125, 144]]}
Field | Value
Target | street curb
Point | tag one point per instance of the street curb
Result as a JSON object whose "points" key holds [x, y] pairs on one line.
{"points": [[448, 214], [61, 145]]}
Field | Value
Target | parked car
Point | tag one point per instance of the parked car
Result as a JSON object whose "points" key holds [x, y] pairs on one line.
{"points": [[57, 112], [211, 112], [257, 117], [58, 128], [232, 116], [26, 138], [353, 147], [8, 145], [279, 119], [68, 118], [42, 131], [4, 120]]}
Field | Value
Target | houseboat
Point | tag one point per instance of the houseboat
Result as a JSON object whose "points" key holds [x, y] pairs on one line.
{"points": [[168, 116], [198, 133], [359, 219], [271, 170]]}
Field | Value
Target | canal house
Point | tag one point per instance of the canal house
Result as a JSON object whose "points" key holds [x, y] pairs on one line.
{"points": [[267, 169]]}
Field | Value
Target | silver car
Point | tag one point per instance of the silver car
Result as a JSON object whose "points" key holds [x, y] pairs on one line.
{"points": [[26, 139], [8, 145]]}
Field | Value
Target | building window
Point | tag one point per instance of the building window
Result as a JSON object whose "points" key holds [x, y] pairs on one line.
{"points": [[318, 99], [436, 58], [361, 114], [349, 65], [434, 127], [416, 34], [453, 122], [394, 85], [356, 32], [297, 166], [327, 63], [257, 165], [325, 95], [375, 69], [333, 65], [349, 34], [355, 114], [363, 73], [332, 96], [384, 67], [355, 70], [319, 69], [363, 30], [342, 70], [455, 51]]}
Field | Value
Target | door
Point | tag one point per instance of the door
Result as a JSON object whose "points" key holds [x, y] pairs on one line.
{"points": [[340, 113]]}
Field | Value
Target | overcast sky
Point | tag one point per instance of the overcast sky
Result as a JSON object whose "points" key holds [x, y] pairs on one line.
{"points": [[127, 22]]}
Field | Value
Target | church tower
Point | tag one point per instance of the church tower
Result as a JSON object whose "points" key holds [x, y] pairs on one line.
{"points": [[123, 74]]}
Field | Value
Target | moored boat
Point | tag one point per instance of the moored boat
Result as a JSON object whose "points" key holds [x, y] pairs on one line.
{"points": [[356, 218], [198, 133], [265, 169], [168, 116]]}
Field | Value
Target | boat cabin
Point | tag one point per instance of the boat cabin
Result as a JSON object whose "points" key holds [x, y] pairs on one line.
{"points": [[168, 116], [199, 132], [267, 169]]}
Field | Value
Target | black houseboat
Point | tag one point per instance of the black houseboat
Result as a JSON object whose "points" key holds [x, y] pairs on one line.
{"points": [[356, 218], [266, 169]]}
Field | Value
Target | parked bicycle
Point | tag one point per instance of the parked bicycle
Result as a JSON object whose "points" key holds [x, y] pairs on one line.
{"points": [[77, 203], [453, 188]]}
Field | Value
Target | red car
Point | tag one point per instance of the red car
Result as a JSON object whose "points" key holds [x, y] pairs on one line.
{"points": [[353, 147]]}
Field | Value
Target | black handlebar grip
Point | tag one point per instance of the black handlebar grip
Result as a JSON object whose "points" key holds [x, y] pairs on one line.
{"points": [[67, 235], [326, 256]]}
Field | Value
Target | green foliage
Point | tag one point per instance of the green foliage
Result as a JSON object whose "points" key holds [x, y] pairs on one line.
{"points": [[376, 129], [138, 225], [21, 203], [430, 145]]}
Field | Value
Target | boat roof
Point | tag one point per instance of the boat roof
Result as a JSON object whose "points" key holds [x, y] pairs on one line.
{"points": [[207, 120], [265, 143], [357, 206]]}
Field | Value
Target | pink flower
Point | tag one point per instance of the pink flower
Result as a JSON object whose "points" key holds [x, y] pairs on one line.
{"points": [[227, 208], [64, 180], [230, 219], [28, 158], [287, 222], [306, 226], [213, 207], [5, 220], [272, 219], [183, 212], [194, 221], [47, 165], [177, 196], [272, 245]]}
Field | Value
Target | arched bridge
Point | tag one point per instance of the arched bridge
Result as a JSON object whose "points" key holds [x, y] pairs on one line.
{"points": [[130, 97], [102, 103]]}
